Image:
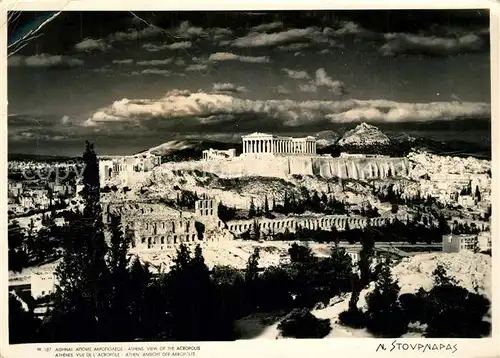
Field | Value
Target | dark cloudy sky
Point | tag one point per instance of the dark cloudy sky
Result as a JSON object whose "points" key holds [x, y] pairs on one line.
{"points": [[130, 81]]}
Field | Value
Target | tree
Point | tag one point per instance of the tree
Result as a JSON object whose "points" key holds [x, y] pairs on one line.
{"points": [[16, 241], [441, 278], [353, 316], [335, 237], [118, 262], [83, 291], [384, 314], [22, 323], [256, 230], [366, 257], [300, 254], [301, 323], [478, 194], [252, 268], [452, 311], [143, 320], [251, 210], [266, 205]]}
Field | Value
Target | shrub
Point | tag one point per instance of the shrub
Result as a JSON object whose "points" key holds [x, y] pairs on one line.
{"points": [[301, 323], [413, 305], [354, 318]]}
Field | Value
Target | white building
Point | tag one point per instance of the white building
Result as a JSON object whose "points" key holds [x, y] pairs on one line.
{"points": [[457, 243], [124, 167], [42, 284], [268, 144], [484, 240], [213, 154]]}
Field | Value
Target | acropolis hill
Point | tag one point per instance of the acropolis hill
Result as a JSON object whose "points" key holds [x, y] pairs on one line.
{"points": [[274, 156]]}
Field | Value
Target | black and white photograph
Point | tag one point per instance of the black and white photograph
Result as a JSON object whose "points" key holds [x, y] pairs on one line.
{"points": [[201, 176]]}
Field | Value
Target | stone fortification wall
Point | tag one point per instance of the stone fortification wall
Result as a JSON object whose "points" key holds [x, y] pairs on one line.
{"points": [[325, 222], [282, 167]]}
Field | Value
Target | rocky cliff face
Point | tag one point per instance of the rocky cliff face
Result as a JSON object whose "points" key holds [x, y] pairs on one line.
{"points": [[364, 135]]}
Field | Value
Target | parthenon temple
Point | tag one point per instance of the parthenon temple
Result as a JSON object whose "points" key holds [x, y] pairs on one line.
{"points": [[262, 143]]}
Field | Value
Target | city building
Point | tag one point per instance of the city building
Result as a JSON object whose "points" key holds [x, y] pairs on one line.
{"points": [[15, 189], [206, 206], [163, 234], [269, 144], [214, 154], [42, 284], [484, 241], [457, 243], [123, 168]]}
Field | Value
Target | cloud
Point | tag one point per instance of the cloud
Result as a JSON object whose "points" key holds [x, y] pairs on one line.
{"points": [[199, 106], [44, 60], [180, 62], [180, 45], [133, 35], [155, 62], [295, 46], [281, 89], [309, 87], [257, 39], [186, 30], [323, 80], [89, 44], [268, 27], [227, 56], [401, 43], [153, 71], [347, 28], [220, 32], [152, 47], [65, 120], [228, 87], [296, 75], [127, 61], [197, 67]]}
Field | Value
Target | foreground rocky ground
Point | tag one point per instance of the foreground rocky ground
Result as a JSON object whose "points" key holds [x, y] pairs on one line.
{"points": [[471, 271]]}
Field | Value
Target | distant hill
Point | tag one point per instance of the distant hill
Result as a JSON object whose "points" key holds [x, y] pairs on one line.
{"points": [[403, 144], [183, 150], [39, 158], [364, 135]]}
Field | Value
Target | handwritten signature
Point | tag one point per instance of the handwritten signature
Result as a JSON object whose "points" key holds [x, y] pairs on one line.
{"points": [[421, 347]]}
